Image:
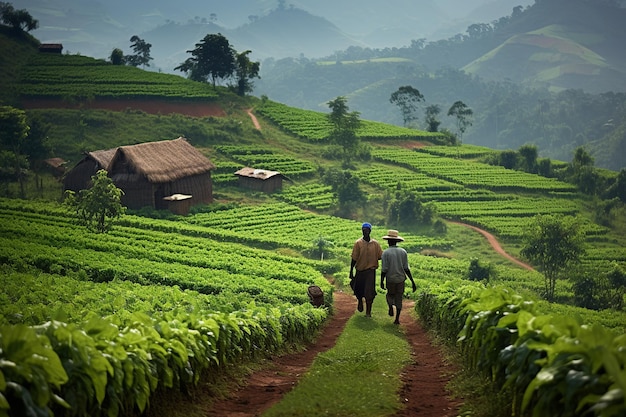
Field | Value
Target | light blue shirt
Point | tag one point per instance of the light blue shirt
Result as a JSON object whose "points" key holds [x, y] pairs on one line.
{"points": [[394, 263]]}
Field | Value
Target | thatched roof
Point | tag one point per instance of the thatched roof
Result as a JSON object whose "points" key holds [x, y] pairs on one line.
{"points": [[261, 174], [55, 162], [163, 161], [103, 158]]}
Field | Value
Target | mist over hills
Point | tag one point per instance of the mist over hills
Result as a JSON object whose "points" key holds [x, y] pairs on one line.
{"points": [[94, 28], [549, 45]]}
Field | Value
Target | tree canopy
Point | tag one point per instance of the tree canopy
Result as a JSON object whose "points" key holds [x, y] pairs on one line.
{"points": [[463, 116], [17, 19], [213, 58], [141, 54], [344, 126], [553, 243], [13, 132], [407, 99], [99, 205], [245, 71]]}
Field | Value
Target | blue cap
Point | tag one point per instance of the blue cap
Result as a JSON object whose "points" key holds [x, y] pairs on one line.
{"points": [[366, 225]]}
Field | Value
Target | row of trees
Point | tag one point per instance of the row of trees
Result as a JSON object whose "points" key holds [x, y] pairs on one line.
{"points": [[408, 100], [213, 59], [141, 55]]}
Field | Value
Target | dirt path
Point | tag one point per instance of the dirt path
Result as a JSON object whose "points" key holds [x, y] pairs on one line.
{"points": [[255, 122], [496, 245], [424, 380]]}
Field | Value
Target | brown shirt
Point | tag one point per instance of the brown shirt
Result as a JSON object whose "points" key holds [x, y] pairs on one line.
{"points": [[366, 254]]}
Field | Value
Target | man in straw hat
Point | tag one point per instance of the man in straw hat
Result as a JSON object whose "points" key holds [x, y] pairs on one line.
{"points": [[395, 269], [365, 255]]}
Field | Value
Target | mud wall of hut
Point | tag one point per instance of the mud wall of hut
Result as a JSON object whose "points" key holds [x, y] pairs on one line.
{"points": [[268, 185], [79, 178]]}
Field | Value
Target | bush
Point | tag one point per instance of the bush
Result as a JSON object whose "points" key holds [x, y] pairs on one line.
{"points": [[478, 271]]}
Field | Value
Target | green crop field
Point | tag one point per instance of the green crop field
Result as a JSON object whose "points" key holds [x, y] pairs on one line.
{"points": [[102, 323], [69, 76]]}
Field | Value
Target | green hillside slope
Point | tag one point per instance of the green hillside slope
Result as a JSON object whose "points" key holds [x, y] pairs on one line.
{"points": [[164, 302], [552, 58]]}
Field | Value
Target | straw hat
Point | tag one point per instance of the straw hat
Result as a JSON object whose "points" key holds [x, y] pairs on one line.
{"points": [[393, 235]]}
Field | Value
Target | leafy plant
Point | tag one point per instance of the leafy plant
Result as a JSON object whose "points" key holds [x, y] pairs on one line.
{"points": [[99, 205]]}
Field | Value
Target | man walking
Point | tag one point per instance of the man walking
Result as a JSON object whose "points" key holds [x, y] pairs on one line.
{"points": [[395, 269], [365, 255]]}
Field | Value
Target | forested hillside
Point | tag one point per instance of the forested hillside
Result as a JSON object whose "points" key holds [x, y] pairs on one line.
{"points": [[550, 75]]}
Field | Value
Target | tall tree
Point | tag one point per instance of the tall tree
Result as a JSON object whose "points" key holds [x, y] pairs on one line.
{"points": [[554, 244], [528, 154], [141, 54], [463, 116], [13, 132], [346, 189], [344, 126], [432, 122], [213, 58], [245, 71], [17, 19], [407, 99], [37, 148], [582, 173], [117, 57]]}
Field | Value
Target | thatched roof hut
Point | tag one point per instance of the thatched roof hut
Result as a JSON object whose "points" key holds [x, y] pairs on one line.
{"points": [[260, 179], [150, 173], [79, 177]]}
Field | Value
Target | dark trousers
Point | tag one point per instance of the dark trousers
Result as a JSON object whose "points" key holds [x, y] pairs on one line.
{"points": [[365, 285]]}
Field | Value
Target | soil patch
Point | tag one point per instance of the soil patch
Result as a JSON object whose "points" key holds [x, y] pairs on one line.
{"points": [[188, 108]]}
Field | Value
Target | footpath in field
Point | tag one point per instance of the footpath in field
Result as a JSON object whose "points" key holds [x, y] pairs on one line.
{"points": [[424, 379]]}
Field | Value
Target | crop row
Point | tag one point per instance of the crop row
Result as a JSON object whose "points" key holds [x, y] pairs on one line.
{"points": [[160, 247], [393, 178], [141, 338], [263, 158], [311, 195], [464, 151], [289, 226], [471, 174], [512, 206], [60, 76], [545, 364], [315, 126]]}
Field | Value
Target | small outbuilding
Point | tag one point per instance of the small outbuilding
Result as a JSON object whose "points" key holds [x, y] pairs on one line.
{"points": [[79, 177], [169, 174], [260, 179], [56, 166], [52, 48]]}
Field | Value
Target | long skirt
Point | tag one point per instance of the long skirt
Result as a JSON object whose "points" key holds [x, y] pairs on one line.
{"points": [[365, 284]]}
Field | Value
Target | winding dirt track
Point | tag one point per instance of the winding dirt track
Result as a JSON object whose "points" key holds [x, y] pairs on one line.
{"points": [[496, 245]]}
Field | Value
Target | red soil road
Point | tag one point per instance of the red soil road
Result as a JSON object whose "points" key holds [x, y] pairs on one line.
{"points": [[424, 380], [496, 245], [193, 109]]}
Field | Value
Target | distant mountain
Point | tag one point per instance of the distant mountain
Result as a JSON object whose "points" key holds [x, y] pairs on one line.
{"points": [[95, 28], [560, 44]]}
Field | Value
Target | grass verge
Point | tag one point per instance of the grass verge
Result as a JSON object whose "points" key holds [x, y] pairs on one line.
{"points": [[360, 375]]}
